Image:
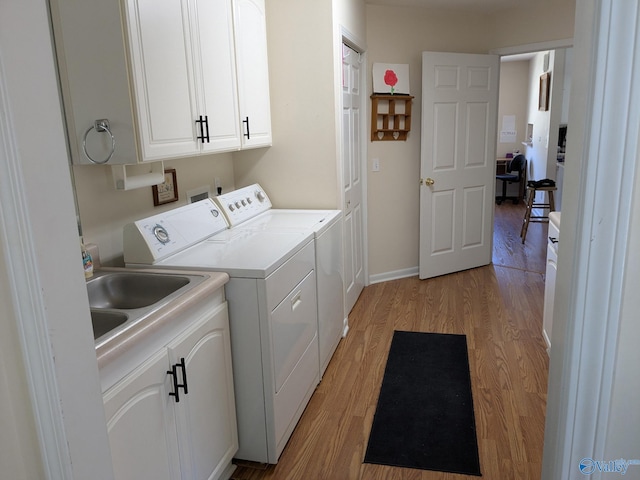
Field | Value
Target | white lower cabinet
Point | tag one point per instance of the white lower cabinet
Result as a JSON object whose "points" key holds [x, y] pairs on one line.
{"points": [[158, 431], [550, 277], [549, 293]]}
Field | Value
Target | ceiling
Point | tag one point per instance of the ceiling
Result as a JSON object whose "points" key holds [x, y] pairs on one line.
{"points": [[477, 5]]}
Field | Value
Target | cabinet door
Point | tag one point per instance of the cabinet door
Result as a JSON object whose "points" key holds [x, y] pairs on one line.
{"points": [[206, 417], [162, 75], [141, 425], [253, 72], [212, 23]]}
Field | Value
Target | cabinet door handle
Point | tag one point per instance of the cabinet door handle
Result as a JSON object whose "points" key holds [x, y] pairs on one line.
{"points": [[203, 122], [184, 376], [553, 239], [174, 373], [246, 122]]}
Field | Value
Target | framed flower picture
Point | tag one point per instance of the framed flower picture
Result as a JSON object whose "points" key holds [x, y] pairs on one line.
{"points": [[391, 78]]}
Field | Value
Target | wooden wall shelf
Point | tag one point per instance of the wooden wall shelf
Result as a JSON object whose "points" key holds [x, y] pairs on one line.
{"points": [[390, 117]]}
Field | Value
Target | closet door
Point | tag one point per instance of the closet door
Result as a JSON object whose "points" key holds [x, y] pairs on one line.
{"points": [[352, 188]]}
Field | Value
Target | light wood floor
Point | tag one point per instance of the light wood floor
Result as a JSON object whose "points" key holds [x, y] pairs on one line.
{"points": [[498, 308]]}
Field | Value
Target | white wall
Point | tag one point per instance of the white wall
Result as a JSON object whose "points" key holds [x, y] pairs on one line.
{"points": [[513, 100], [300, 169], [350, 14], [566, 86], [537, 153], [532, 22]]}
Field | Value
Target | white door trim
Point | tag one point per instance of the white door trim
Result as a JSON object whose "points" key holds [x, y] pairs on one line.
{"points": [[533, 47], [48, 293], [28, 304], [597, 209]]}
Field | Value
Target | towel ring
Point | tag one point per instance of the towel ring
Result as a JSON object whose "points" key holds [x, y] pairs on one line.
{"points": [[100, 126]]}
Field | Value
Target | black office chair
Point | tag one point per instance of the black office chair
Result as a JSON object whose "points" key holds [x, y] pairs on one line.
{"points": [[513, 174]]}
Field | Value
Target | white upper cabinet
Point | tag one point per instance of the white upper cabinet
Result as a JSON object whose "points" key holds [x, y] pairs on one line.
{"points": [[253, 72], [184, 76], [164, 74]]}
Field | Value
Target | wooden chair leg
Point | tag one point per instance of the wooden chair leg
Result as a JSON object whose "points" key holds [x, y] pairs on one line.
{"points": [[527, 215], [552, 205]]}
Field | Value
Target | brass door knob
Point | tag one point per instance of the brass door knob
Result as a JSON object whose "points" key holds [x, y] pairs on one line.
{"points": [[427, 181]]}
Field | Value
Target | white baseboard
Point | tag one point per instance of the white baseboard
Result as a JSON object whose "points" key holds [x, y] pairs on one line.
{"points": [[345, 328], [394, 275], [547, 340]]}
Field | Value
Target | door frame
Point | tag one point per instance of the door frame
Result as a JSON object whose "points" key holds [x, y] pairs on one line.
{"points": [[351, 40], [592, 259], [47, 288]]}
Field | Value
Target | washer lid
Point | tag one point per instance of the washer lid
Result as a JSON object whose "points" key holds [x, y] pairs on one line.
{"points": [[241, 253]]}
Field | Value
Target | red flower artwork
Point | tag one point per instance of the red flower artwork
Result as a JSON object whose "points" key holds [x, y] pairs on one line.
{"points": [[390, 78]]}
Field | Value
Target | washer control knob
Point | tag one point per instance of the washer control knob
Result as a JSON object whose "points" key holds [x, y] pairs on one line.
{"points": [[231, 207], [237, 204], [260, 196], [161, 234], [249, 201], [244, 203]]}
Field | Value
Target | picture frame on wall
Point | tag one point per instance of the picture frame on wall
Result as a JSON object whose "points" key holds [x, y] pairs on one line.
{"points": [[391, 78], [543, 99], [166, 192]]}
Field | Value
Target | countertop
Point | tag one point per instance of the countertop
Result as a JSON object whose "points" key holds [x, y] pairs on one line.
{"points": [[113, 348]]}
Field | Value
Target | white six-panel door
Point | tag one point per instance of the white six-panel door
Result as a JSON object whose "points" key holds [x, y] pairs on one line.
{"points": [[352, 178], [459, 118]]}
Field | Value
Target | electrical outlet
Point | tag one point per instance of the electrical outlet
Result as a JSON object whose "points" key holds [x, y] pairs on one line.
{"points": [[375, 165]]}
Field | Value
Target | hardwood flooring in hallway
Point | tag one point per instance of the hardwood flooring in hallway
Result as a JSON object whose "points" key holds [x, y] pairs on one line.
{"points": [[499, 309]]}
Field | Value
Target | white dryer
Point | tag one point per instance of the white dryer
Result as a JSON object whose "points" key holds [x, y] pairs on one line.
{"points": [[250, 208], [272, 311]]}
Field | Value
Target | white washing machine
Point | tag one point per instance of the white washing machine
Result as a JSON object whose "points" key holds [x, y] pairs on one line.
{"points": [[272, 311], [250, 208]]}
